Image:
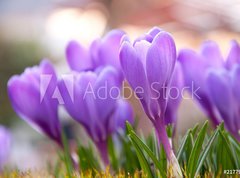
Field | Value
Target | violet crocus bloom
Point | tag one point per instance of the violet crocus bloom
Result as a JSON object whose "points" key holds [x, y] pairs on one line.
{"points": [[148, 66], [5, 144], [196, 67], [31, 96], [95, 103], [102, 52], [224, 90]]}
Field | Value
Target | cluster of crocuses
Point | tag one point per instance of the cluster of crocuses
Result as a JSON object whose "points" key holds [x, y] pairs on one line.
{"points": [[151, 67]]}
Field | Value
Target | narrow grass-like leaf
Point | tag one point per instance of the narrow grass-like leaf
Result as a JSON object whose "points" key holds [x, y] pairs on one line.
{"points": [[194, 130], [206, 151], [142, 159], [67, 157], [197, 147], [142, 145], [228, 148], [112, 154], [183, 145]]}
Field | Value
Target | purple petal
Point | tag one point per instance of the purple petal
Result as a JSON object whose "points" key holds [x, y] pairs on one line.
{"points": [[133, 69], [154, 31], [109, 48], [78, 57], [161, 59], [141, 48], [134, 72], [233, 55], [193, 69], [107, 92], [144, 37], [236, 83], [123, 112], [218, 83], [212, 54]]}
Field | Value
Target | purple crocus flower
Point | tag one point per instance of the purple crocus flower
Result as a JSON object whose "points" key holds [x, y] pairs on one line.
{"points": [[95, 103], [102, 52], [196, 67], [224, 90], [31, 96], [5, 143], [148, 66]]}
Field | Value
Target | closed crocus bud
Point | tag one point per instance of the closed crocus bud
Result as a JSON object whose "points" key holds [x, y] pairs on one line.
{"points": [[31, 96], [196, 66], [102, 52], [148, 66], [175, 96], [96, 104], [224, 90], [5, 143]]}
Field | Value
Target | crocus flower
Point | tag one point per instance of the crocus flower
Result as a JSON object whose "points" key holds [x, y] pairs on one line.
{"points": [[102, 52], [196, 67], [5, 140], [31, 95], [148, 66], [95, 103], [224, 90]]}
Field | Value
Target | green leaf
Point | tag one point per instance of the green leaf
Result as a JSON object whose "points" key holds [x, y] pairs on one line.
{"points": [[142, 159], [67, 157], [206, 150], [112, 154], [197, 147], [87, 159], [194, 130], [228, 148], [183, 145]]}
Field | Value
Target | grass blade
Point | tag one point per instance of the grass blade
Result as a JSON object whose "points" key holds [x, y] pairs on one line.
{"points": [[206, 150], [194, 156]]}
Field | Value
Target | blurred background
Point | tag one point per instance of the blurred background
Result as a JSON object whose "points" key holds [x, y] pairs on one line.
{"points": [[31, 30]]}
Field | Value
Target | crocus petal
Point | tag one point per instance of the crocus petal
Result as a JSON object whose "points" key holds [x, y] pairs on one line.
{"points": [[122, 114], [161, 58], [212, 54], [193, 67], [236, 83], [233, 55], [218, 85], [134, 72], [109, 48], [141, 48], [154, 31], [78, 57], [133, 69], [144, 37], [107, 92]]}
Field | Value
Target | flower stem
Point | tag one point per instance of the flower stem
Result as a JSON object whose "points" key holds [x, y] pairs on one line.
{"points": [[163, 138], [103, 150]]}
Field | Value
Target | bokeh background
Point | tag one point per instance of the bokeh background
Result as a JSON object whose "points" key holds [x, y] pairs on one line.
{"points": [[31, 30]]}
